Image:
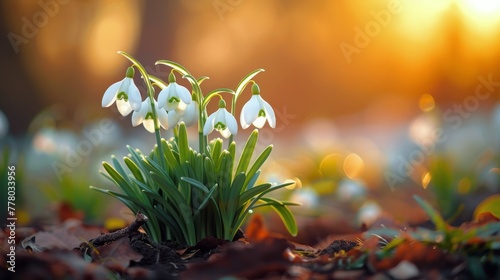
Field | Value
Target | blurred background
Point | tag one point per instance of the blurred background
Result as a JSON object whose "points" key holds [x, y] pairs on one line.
{"points": [[371, 96]]}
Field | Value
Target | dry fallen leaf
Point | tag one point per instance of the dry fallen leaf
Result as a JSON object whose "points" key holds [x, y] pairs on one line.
{"points": [[67, 236], [116, 254]]}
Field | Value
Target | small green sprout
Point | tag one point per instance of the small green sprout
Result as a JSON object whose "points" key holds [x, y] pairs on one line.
{"points": [[190, 194]]}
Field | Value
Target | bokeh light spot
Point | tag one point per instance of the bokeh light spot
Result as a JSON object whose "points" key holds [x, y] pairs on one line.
{"points": [[330, 165], [426, 179], [296, 183], [426, 103], [353, 166]]}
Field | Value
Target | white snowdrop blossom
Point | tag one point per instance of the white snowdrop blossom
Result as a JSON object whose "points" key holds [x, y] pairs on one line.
{"points": [[125, 93], [174, 96], [222, 121], [145, 116], [256, 111], [189, 116]]}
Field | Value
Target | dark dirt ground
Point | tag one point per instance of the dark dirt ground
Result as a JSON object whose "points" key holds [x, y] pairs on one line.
{"points": [[63, 252]]}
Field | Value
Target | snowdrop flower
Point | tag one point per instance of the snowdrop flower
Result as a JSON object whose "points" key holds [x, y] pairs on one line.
{"points": [[125, 93], [189, 116], [145, 116], [222, 121], [256, 111], [174, 96]]}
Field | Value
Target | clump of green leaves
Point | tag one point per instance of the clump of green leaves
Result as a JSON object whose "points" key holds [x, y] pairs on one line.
{"points": [[189, 194], [479, 245]]}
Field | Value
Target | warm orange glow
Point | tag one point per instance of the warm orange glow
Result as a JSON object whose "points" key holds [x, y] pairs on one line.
{"points": [[426, 102], [353, 166], [483, 15], [420, 18], [112, 30]]}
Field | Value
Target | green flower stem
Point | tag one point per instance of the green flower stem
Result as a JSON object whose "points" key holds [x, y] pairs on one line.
{"points": [[161, 84], [146, 79], [233, 112], [202, 117]]}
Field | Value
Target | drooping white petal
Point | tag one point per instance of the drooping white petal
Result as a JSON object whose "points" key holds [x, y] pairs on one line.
{"points": [[173, 118], [162, 97], [125, 85], [250, 112], [183, 93], [231, 123], [190, 114], [220, 116], [162, 117], [139, 116], [136, 118], [171, 102], [109, 96], [225, 132], [270, 116], [123, 107], [181, 107], [209, 124], [259, 122], [149, 125], [134, 96]]}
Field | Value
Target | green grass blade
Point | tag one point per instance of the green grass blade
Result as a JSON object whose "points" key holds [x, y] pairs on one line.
{"points": [[233, 201], [206, 200], [172, 160], [248, 194], [285, 215], [435, 217], [246, 154], [216, 150], [183, 144], [118, 178], [209, 171], [252, 181], [136, 172], [258, 163], [196, 183]]}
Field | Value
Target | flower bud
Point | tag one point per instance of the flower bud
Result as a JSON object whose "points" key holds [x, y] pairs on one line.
{"points": [[222, 103], [171, 78], [130, 72], [255, 89]]}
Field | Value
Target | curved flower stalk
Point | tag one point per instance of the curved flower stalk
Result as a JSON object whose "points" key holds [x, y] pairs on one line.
{"points": [[189, 194], [125, 93]]}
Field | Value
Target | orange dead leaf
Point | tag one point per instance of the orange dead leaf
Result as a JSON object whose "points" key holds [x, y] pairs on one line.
{"points": [[487, 217], [256, 229], [411, 251], [65, 212]]}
